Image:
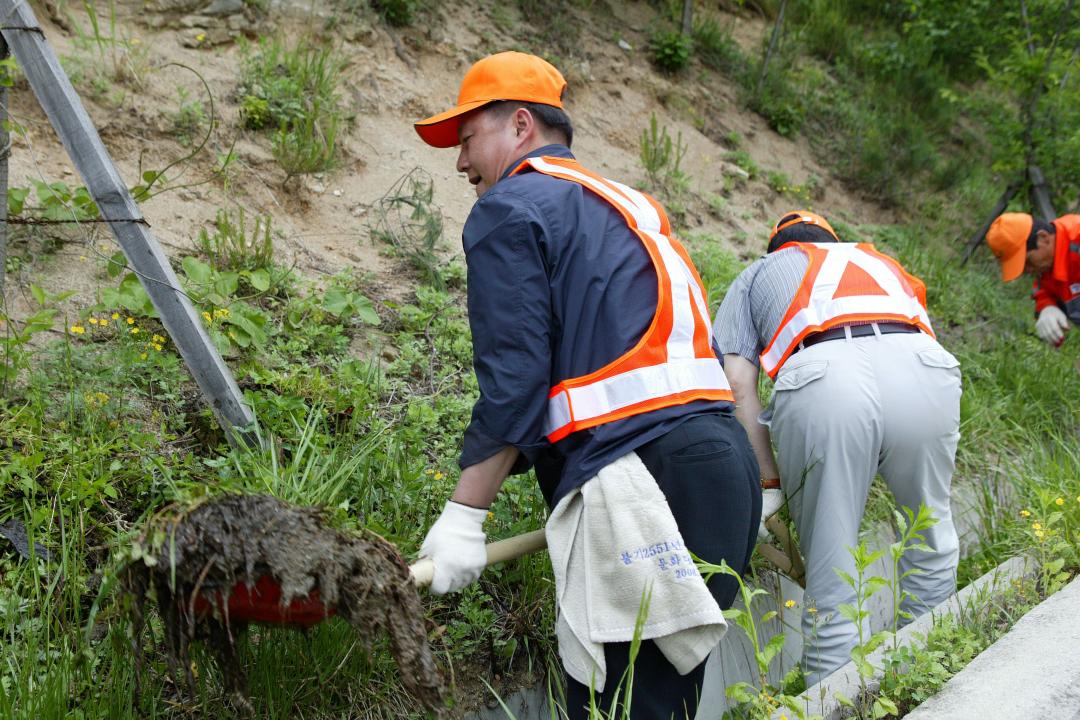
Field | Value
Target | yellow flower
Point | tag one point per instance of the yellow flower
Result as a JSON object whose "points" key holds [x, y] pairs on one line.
{"points": [[134, 331], [158, 339], [790, 604], [131, 321], [116, 316], [1025, 513], [82, 258], [206, 316], [812, 610], [77, 329], [92, 321], [1078, 498], [142, 356], [1059, 501], [221, 312], [490, 515], [157, 347], [439, 475], [200, 37], [1040, 534], [1036, 526], [429, 471]]}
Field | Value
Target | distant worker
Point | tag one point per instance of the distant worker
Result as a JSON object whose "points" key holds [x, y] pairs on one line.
{"points": [[1051, 252], [860, 387], [596, 365]]}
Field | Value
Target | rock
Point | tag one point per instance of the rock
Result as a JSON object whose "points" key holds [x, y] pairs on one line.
{"points": [[224, 7], [735, 171], [317, 187], [625, 45], [337, 193], [239, 23]]}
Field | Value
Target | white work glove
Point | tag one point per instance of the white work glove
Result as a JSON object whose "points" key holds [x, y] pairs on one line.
{"points": [[455, 544], [1051, 325], [771, 502]]}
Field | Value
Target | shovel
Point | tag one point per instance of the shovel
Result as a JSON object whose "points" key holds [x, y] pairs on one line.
{"points": [[261, 601], [789, 561]]}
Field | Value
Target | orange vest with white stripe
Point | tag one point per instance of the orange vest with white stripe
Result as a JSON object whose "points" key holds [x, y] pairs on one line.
{"points": [[845, 284], [673, 363]]}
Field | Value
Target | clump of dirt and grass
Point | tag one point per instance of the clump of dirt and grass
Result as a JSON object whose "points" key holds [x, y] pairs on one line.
{"points": [[207, 550]]}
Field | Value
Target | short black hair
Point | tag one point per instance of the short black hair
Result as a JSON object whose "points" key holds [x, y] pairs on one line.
{"points": [[799, 232], [1036, 226], [550, 117]]}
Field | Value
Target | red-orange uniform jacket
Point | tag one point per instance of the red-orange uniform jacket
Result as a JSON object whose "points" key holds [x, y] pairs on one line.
{"points": [[1061, 284]]}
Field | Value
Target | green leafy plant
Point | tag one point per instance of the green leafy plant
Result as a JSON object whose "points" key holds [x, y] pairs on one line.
{"points": [[671, 50], [759, 701], [15, 335]]}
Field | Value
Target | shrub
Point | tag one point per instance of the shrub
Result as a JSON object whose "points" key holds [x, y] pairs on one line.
{"points": [[294, 89], [671, 50], [398, 13], [716, 48]]}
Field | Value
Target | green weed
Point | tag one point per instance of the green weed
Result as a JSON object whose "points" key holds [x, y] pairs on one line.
{"points": [[407, 219], [293, 90], [662, 158]]}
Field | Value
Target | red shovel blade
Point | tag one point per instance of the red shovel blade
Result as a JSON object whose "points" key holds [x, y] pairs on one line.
{"points": [[261, 603]]}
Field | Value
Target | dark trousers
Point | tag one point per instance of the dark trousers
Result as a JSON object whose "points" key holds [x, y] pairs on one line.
{"points": [[708, 473]]}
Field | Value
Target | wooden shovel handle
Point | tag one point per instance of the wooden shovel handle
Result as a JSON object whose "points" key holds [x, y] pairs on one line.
{"points": [[789, 561], [423, 570]]}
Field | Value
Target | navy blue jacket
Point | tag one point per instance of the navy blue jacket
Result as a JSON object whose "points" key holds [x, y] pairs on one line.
{"points": [[559, 286]]}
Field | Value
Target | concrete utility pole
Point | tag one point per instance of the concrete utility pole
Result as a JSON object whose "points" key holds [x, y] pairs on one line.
{"points": [[23, 34]]}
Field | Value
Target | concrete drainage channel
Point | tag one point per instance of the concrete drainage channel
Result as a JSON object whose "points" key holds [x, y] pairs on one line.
{"points": [[732, 661]]}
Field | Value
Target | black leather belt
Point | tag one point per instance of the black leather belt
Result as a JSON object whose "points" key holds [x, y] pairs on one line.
{"points": [[837, 333]]}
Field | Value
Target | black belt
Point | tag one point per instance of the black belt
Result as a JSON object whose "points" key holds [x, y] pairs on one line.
{"points": [[837, 333]]}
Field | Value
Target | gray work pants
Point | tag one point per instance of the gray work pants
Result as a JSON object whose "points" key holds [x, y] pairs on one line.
{"points": [[842, 411]]}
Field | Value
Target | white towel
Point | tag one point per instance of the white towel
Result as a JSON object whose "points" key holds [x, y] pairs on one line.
{"points": [[608, 541]]}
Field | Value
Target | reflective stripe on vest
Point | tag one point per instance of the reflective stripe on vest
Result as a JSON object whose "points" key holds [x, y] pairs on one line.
{"points": [[844, 283], [673, 363]]}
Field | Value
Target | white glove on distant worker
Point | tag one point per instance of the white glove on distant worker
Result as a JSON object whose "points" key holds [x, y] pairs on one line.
{"points": [[771, 502], [455, 544], [1051, 325]]}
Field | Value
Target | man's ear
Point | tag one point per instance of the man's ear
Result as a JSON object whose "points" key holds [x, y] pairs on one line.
{"points": [[523, 122]]}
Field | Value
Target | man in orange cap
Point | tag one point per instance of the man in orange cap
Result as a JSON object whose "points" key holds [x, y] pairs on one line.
{"points": [[860, 387], [1050, 252], [596, 365]]}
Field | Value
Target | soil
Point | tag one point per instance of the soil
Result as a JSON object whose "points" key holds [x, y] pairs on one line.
{"points": [[394, 77], [205, 551]]}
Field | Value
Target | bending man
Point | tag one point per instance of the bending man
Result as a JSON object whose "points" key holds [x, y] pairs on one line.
{"points": [[861, 387], [1050, 252]]}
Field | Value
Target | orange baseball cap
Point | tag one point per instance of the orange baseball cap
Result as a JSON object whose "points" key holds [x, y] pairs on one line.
{"points": [[804, 216], [503, 76], [1007, 238]]}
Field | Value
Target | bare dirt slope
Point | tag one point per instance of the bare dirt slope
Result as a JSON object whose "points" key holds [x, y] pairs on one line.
{"points": [[393, 78]]}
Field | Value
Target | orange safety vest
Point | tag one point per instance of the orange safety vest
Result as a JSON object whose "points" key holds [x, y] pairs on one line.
{"points": [[845, 284], [673, 363]]}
